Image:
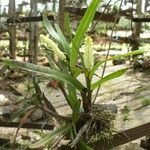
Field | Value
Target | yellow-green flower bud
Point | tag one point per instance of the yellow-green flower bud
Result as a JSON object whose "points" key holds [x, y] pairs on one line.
{"points": [[53, 46], [88, 53]]}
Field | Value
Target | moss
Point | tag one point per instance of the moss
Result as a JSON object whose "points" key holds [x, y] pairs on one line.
{"points": [[125, 111], [145, 102]]}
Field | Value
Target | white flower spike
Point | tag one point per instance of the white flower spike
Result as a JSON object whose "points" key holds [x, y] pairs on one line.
{"points": [[88, 53], [53, 46]]}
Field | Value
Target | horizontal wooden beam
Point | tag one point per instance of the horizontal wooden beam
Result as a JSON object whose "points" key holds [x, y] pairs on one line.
{"points": [[123, 137], [106, 17], [27, 125], [130, 40], [27, 19], [141, 19], [110, 17], [18, 38]]}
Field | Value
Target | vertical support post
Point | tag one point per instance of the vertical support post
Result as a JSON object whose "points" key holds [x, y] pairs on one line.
{"points": [[137, 28], [12, 30], [54, 6], [0, 8], [138, 24], [61, 14], [33, 34]]}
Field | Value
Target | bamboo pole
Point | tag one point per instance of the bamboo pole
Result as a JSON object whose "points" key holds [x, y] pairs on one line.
{"points": [[12, 30]]}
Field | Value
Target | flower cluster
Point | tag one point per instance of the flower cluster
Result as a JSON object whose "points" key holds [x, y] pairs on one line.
{"points": [[53, 46], [88, 53]]}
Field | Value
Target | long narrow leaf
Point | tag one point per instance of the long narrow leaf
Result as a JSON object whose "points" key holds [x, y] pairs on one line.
{"points": [[72, 93], [49, 28], [50, 59], [50, 136], [108, 77], [75, 105], [85, 22], [57, 35], [63, 40], [137, 52], [115, 57], [68, 26], [46, 71]]}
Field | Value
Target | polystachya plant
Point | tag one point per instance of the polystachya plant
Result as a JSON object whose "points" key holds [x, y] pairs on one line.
{"points": [[65, 68]]}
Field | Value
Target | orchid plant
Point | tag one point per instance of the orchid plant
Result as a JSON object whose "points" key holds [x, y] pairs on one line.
{"points": [[65, 68]]}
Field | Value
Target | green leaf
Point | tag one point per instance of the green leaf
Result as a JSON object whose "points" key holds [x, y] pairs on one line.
{"points": [[68, 26], [49, 137], [112, 58], [75, 104], [62, 40], [50, 58], [76, 110], [84, 146], [108, 77], [56, 34], [50, 28], [45, 71], [73, 101], [72, 94], [95, 68], [84, 24], [128, 54]]}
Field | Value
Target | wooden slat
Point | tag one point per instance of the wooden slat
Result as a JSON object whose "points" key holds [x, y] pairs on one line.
{"points": [[27, 125], [27, 19], [141, 19], [123, 137], [110, 17]]}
